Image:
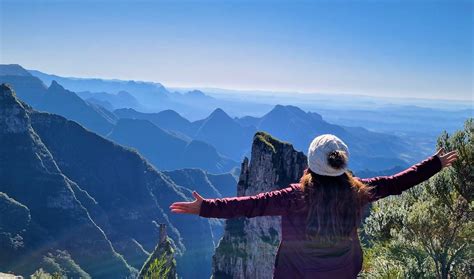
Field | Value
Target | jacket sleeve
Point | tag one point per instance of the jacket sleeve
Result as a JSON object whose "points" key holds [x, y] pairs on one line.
{"points": [[265, 204], [384, 186]]}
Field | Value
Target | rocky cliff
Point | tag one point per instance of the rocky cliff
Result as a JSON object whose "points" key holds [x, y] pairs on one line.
{"points": [[161, 263], [70, 196], [248, 247], [49, 214], [125, 195]]}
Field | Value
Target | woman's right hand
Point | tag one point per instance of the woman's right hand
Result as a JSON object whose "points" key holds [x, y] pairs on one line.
{"points": [[446, 158], [193, 207]]}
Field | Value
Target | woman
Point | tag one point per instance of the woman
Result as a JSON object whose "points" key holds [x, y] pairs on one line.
{"points": [[320, 215]]}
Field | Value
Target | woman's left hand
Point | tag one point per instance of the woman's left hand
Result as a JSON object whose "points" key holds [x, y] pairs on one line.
{"points": [[193, 207], [446, 158]]}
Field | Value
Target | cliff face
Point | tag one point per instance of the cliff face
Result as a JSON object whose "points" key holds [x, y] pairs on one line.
{"points": [[71, 196], [124, 195], [248, 247], [49, 214]]}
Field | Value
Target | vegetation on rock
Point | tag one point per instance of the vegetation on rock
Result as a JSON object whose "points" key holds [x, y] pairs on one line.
{"points": [[161, 264]]}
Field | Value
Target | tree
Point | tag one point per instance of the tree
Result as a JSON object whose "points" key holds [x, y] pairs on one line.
{"points": [[428, 231]]}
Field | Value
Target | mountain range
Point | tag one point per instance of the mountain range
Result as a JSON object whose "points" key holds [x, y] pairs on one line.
{"points": [[74, 192], [121, 99], [144, 92], [86, 178], [150, 96], [166, 150], [215, 143], [149, 139], [56, 99], [53, 217], [231, 136], [219, 129], [417, 122]]}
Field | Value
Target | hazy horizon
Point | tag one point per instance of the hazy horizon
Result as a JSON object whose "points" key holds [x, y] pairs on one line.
{"points": [[357, 47], [253, 91]]}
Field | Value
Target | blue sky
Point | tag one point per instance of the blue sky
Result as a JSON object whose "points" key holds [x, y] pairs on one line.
{"points": [[381, 48]]}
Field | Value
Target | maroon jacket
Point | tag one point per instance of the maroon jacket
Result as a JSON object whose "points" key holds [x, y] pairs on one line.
{"points": [[296, 258]]}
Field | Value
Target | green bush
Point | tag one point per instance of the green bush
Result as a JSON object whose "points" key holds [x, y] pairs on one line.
{"points": [[428, 231]]}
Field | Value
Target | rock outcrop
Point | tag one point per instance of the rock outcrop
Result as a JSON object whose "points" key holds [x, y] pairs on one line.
{"points": [[248, 247], [161, 263]]}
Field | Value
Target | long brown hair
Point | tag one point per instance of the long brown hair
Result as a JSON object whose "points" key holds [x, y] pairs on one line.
{"points": [[334, 202]]}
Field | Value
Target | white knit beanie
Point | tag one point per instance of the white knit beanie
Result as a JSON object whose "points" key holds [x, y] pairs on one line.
{"points": [[318, 152]]}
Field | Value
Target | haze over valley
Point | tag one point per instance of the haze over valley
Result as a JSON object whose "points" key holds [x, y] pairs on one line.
{"points": [[113, 154], [416, 122]]}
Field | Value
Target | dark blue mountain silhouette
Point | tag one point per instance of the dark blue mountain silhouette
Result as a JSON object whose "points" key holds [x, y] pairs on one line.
{"points": [[121, 99], [223, 132], [369, 150], [89, 197], [218, 129], [168, 119], [145, 92], [56, 99], [167, 151], [57, 218], [151, 95]]}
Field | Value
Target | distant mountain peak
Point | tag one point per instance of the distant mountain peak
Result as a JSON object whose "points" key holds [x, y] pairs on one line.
{"points": [[285, 112], [170, 112], [219, 113], [13, 70], [287, 108], [197, 93], [290, 111], [55, 86]]}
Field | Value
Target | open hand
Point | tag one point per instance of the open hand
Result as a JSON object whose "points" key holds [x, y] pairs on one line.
{"points": [[446, 158], [193, 207]]}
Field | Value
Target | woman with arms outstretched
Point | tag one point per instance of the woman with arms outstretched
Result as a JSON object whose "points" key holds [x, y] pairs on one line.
{"points": [[321, 214]]}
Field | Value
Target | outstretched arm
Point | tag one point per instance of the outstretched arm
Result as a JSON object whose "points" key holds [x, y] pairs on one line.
{"points": [[265, 204], [384, 186]]}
